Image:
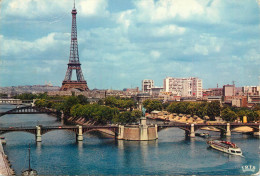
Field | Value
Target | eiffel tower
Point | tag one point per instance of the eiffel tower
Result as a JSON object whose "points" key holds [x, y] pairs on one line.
{"points": [[74, 63]]}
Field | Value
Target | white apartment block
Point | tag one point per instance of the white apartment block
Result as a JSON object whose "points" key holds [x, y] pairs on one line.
{"points": [[184, 87], [251, 90], [147, 85]]}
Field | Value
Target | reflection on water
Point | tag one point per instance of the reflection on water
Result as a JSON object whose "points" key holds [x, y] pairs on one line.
{"points": [[172, 153]]}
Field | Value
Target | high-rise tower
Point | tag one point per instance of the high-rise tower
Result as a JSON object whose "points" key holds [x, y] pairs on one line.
{"points": [[74, 63]]}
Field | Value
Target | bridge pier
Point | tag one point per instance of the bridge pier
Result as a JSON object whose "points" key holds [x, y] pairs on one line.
{"points": [[192, 131], [228, 132], [38, 134], [120, 132], [156, 130], [257, 133], [80, 135], [143, 129]]}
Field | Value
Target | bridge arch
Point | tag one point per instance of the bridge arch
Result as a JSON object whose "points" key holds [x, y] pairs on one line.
{"points": [[221, 128], [25, 131], [27, 110], [44, 131], [251, 127], [182, 128], [108, 131]]}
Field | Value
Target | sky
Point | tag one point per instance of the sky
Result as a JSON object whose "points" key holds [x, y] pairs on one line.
{"points": [[123, 42]]}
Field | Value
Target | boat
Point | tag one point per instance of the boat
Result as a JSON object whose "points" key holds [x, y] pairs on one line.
{"points": [[204, 135], [225, 146], [29, 171]]}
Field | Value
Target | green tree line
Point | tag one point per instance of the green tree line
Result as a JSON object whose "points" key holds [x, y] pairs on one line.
{"points": [[201, 109], [114, 110]]}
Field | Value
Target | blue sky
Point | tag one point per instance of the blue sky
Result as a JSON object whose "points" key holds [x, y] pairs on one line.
{"points": [[123, 42]]}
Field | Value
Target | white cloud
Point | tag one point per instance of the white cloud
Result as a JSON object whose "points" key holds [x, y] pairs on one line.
{"points": [[124, 18], [201, 49], [93, 7], [164, 10], [155, 54], [33, 9], [168, 30], [42, 69], [20, 48]]}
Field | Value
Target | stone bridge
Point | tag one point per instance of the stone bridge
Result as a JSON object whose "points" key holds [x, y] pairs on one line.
{"points": [[38, 131], [225, 128], [27, 110], [13, 101]]}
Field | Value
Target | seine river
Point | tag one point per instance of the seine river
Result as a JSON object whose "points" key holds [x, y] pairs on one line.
{"points": [[171, 154]]}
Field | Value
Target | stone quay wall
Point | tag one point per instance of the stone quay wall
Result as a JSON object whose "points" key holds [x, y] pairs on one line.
{"points": [[5, 166]]}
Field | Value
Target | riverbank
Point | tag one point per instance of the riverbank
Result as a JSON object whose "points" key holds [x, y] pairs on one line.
{"points": [[238, 129], [5, 167]]}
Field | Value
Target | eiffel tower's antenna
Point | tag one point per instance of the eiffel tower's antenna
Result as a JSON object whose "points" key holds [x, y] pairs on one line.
{"points": [[74, 4]]}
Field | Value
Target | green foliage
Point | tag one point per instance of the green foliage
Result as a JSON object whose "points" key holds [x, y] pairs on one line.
{"points": [[128, 117], [95, 112], [228, 115], [165, 105], [43, 103], [26, 96], [213, 109], [100, 102], [195, 108], [252, 116], [82, 99], [2, 95], [119, 103], [68, 103], [151, 105], [30, 96]]}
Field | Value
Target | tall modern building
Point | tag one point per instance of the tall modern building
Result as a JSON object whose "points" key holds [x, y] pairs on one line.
{"points": [[147, 85], [184, 87], [74, 64]]}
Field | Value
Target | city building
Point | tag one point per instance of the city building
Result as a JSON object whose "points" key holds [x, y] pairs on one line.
{"points": [[147, 85], [155, 91], [251, 90], [213, 92], [228, 90], [184, 87]]}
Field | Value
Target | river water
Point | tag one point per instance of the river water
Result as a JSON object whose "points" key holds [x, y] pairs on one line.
{"points": [[171, 154]]}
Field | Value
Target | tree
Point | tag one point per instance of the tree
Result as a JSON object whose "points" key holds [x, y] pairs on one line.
{"points": [[213, 109], [151, 105], [100, 102], [252, 116], [202, 109], [69, 102], [111, 101], [172, 107], [228, 115], [165, 105], [192, 108], [136, 114], [76, 110], [82, 99]]}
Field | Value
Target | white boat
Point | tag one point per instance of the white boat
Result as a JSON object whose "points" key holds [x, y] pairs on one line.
{"points": [[225, 146]]}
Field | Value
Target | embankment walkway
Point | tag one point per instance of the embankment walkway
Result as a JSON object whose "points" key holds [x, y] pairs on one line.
{"points": [[5, 168]]}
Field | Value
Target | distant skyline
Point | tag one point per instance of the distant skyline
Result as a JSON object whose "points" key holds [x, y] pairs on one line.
{"points": [[123, 42]]}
